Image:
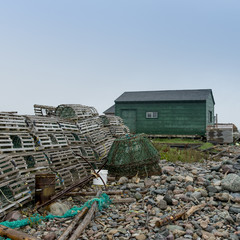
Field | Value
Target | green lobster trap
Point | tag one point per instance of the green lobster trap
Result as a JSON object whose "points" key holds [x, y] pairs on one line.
{"points": [[130, 155]]}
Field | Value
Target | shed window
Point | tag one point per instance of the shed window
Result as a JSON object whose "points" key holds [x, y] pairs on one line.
{"points": [[151, 114], [210, 116]]}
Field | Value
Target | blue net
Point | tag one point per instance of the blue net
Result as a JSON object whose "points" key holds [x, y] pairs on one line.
{"points": [[103, 202]]}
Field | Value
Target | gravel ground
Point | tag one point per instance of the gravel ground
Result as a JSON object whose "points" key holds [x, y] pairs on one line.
{"points": [[179, 187]]}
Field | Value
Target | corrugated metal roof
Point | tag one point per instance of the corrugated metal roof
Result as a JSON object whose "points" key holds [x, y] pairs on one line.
{"points": [[167, 95], [110, 110]]}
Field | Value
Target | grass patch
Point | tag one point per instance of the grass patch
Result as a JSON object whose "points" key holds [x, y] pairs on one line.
{"points": [[182, 155], [177, 141], [206, 146]]}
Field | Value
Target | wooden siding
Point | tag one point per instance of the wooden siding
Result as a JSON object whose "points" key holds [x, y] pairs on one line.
{"points": [[209, 107], [183, 118]]}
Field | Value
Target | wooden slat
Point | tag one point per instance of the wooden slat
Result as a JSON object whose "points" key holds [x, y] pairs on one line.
{"points": [[43, 124], [7, 145], [103, 148], [83, 150], [12, 122]]}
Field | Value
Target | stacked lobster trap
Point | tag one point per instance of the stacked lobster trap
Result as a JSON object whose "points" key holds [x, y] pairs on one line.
{"points": [[61, 140]]}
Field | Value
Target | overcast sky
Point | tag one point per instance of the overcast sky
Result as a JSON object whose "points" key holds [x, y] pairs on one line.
{"points": [[90, 52]]}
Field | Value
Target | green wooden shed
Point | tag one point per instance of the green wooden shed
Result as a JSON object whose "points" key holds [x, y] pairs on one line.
{"points": [[172, 112]]}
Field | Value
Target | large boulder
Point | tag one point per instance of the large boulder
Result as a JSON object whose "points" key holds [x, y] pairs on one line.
{"points": [[13, 216], [58, 208], [231, 183]]}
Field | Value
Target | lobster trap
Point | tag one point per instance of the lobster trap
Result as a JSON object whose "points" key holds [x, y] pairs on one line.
{"points": [[130, 155]]}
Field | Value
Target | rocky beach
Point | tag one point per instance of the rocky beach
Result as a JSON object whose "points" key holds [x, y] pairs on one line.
{"points": [[213, 187]]}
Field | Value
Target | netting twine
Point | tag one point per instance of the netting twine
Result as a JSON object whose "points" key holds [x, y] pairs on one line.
{"points": [[103, 202]]}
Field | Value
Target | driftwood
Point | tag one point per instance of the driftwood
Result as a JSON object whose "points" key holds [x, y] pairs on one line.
{"points": [[182, 214], [193, 209], [118, 192], [235, 158], [14, 234], [124, 200], [85, 221], [169, 219], [75, 221], [209, 149], [218, 154]]}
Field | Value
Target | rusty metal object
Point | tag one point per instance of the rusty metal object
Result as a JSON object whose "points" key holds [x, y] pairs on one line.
{"points": [[82, 182], [44, 187]]}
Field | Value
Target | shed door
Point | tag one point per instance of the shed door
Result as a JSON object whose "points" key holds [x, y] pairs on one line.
{"points": [[129, 117]]}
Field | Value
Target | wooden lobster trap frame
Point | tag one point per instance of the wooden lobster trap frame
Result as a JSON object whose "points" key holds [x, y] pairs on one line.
{"points": [[16, 142], [12, 122]]}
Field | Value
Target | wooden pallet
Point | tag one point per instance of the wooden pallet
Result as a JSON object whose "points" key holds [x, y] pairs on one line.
{"points": [[43, 124], [7, 142], [12, 122], [75, 111]]}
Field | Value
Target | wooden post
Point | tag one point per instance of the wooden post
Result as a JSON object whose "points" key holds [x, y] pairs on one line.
{"points": [[14, 234], [124, 200], [85, 221], [75, 221]]}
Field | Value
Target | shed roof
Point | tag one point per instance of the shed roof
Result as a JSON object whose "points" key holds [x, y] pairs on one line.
{"points": [[167, 95], [110, 110]]}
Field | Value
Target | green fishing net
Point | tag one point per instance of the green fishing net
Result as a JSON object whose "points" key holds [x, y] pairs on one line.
{"points": [[133, 154], [103, 202]]}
